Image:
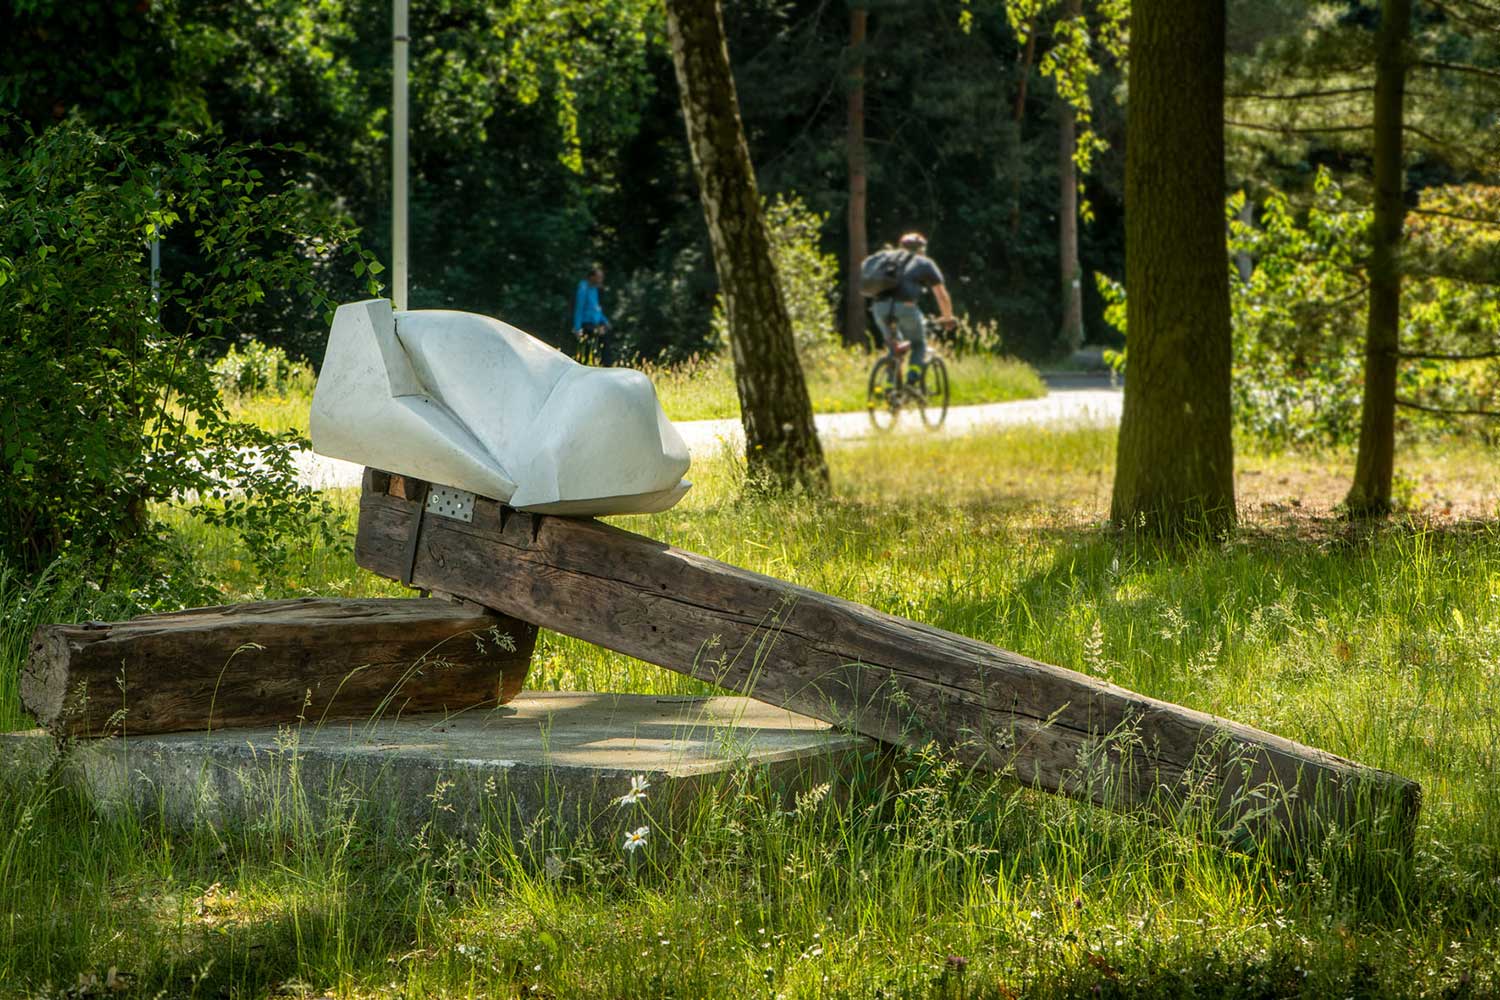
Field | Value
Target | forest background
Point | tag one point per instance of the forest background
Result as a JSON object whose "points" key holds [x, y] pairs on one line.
{"points": [[546, 137]]}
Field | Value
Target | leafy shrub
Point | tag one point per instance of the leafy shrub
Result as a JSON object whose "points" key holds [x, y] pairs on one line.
{"points": [[261, 370], [107, 402], [809, 278], [975, 338], [1299, 319]]}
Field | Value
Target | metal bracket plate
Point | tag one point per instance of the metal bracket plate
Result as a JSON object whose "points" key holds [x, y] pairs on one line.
{"points": [[445, 501]]}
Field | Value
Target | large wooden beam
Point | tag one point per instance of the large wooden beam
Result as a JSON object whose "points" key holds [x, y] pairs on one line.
{"points": [[273, 662], [893, 679]]}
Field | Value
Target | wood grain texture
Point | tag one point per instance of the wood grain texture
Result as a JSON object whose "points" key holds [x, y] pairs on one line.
{"points": [[273, 662], [896, 680]]}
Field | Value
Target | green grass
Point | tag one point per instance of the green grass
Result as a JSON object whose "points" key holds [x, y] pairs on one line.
{"points": [[704, 390], [1378, 645], [275, 412]]}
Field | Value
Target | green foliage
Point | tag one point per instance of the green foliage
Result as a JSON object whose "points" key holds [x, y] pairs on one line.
{"points": [[1299, 317], [547, 135], [1073, 60], [1300, 87], [106, 403], [261, 370], [808, 277], [123, 60]]}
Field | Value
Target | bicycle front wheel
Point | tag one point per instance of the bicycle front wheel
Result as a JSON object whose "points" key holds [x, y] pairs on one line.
{"points": [[883, 395], [934, 393]]}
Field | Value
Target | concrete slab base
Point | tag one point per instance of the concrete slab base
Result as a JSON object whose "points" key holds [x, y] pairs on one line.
{"points": [[542, 769]]}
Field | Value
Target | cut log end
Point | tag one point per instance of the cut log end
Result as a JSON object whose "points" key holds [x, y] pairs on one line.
{"points": [[44, 688]]}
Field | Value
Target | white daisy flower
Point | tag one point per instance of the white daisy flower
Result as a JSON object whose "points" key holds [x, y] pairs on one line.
{"points": [[638, 786], [636, 838]]}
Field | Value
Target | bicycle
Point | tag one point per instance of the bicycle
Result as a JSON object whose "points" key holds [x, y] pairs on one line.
{"points": [[889, 392]]}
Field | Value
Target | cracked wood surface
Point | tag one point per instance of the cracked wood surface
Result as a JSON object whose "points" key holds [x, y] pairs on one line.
{"points": [[269, 663], [896, 680]]}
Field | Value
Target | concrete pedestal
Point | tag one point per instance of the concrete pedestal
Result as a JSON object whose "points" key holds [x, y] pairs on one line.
{"points": [[545, 767]]}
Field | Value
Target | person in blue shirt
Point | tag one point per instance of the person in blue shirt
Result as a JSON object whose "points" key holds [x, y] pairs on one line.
{"points": [[590, 325]]}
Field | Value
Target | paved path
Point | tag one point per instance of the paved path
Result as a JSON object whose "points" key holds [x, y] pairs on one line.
{"points": [[1076, 407], [1080, 407]]}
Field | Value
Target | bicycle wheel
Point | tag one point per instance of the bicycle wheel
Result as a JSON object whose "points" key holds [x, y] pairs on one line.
{"points": [[934, 398], [883, 395]]}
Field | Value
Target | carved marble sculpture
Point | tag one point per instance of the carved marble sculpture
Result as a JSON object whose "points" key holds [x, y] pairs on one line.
{"points": [[466, 401]]}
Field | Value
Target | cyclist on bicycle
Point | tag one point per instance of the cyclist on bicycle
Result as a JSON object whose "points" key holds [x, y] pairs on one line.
{"points": [[896, 312]]}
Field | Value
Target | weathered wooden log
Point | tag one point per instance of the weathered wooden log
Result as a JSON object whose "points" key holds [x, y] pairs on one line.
{"points": [[273, 662], [896, 680]]}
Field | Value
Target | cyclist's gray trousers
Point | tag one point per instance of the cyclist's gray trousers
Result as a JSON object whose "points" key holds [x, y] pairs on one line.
{"points": [[908, 319]]}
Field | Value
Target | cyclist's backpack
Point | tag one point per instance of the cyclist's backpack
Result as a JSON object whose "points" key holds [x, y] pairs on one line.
{"points": [[880, 272]]}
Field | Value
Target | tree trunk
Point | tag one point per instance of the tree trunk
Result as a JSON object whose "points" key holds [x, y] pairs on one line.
{"points": [[1070, 334], [781, 441], [859, 241], [1018, 118], [1175, 460], [1370, 493]]}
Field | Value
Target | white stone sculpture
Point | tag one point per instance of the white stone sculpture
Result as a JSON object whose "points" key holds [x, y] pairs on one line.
{"points": [[469, 402]]}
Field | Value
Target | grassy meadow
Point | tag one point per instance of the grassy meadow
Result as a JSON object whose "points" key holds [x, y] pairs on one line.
{"points": [[1382, 645]]}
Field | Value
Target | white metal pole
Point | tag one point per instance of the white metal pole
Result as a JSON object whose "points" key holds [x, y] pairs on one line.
{"points": [[399, 46]]}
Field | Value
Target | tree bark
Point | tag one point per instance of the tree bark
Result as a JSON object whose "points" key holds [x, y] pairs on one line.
{"points": [[1370, 493], [855, 333], [1070, 275], [886, 677], [270, 663], [781, 440], [1175, 461]]}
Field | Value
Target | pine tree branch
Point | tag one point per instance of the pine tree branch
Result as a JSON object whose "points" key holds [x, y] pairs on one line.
{"points": [[1479, 25], [1301, 94], [1298, 130], [1442, 411], [1433, 356], [1490, 74], [1458, 279], [1455, 150]]}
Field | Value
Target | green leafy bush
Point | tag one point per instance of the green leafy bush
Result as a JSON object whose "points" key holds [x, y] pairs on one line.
{"points": [[809, 277], [107, 402], [261, 370], [1299, 317]]}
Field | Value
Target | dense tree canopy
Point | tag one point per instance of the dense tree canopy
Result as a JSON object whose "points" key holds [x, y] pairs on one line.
{"points": [[546, 137]]}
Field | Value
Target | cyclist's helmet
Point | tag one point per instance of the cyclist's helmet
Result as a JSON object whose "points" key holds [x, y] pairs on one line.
{"points": [[914, 241]]}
